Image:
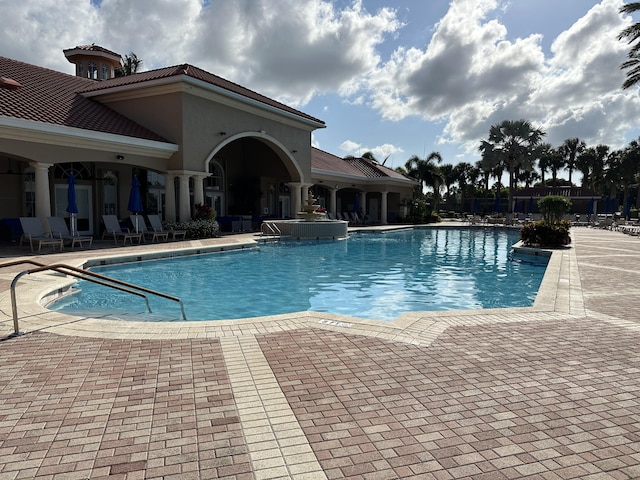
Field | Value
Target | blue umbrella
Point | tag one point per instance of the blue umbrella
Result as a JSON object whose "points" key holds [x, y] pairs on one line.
{"points": [[530, 204], [356, 203], [72, 204], [135, 199], [496, 205], [627, 207], [475, 205], [590, 207]]}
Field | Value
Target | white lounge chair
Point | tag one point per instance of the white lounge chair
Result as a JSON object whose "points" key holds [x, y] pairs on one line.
{"points": [[142, 228], [112, 227], [156, 225], [59, 229], [33, 233]]}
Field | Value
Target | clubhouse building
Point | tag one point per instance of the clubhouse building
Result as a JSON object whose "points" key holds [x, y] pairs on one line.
{"points": [[189, 136]]}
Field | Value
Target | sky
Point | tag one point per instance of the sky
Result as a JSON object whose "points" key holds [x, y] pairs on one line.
{"points": [[394, 77]]}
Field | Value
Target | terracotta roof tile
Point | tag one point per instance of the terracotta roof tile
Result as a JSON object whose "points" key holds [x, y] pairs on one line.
{"points": [[199, 74], [51, 97], [356, 167]]}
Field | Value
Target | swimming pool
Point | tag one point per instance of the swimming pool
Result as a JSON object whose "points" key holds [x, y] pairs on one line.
{"points": [[371, 275]]}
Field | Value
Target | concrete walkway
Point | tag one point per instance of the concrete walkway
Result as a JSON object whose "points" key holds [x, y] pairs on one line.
{"points": [[547, 392]]}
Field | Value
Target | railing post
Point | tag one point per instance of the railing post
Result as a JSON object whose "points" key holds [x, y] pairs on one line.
{"points": [[14, 304]]}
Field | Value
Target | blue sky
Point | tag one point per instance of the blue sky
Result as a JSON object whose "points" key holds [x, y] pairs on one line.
{"points": [[398, 78]]}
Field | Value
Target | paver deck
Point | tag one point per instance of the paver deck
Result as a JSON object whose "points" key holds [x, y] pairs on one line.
{"points": [[547, 392]]}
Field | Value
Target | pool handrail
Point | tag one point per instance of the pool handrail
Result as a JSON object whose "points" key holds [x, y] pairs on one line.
{"points": [[82, 274]]}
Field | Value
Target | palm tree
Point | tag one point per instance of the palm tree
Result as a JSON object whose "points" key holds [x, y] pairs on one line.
{"points": [[544, 154], [130, 65], [464, 174], [570, 149], [448, 179], [556, 162], [426, 172], [516, 141], [631, 34]]}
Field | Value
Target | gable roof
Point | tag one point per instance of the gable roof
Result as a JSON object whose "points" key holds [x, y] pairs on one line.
{"points": [[354, 167], [52, 97], [564, 191], [198, 74]]}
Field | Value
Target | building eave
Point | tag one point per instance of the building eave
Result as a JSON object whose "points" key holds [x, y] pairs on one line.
{"points": [[72, 137]]}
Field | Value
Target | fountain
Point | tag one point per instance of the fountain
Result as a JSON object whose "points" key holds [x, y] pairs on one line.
{"points": [[310, 212], [310, 224]]}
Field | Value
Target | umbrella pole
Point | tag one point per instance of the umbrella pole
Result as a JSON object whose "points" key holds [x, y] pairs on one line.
{"points": [[74, 227], [136, 222]]}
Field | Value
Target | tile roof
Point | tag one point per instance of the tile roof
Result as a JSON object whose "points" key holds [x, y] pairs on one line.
{"points": [[564, 191], [356, 167], [52, 97], [199, 74], [92, 48]]}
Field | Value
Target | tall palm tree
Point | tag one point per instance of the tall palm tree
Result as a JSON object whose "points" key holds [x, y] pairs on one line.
{"points": [[131, 65], [570, 149], [464, 174], [556, 162], [516, 140], [544, 154], [631, 34], [448, 179], [426, 172]]}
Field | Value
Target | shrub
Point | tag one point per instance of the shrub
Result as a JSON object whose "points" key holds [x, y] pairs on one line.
{"points": [[546, 235], [553, 208], [208, 228], [203, 212]]}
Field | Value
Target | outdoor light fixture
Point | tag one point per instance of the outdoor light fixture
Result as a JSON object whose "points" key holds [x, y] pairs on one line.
{"points": [[120, 157]]}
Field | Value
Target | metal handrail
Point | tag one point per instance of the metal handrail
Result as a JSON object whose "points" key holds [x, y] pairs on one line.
{"points": [[272, 229], [83, 274]]}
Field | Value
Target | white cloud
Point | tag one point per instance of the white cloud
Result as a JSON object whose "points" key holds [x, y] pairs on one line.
{"points": [[471, 76]]}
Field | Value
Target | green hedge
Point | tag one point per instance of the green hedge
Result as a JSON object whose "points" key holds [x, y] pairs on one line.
{"points": [[542, 234], [196, 228]]}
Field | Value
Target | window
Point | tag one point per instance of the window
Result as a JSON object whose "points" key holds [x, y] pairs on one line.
{"points": [[110, 193], [92, 71], [104, 72], [215, 181]]}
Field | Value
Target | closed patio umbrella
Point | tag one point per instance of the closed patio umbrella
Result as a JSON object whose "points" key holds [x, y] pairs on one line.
{"points": [[135, 199], [496, 204], [72, 204], [590, 206]]}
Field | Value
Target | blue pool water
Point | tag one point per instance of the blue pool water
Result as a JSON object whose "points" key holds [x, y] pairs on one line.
{"points": [[374, 276]]}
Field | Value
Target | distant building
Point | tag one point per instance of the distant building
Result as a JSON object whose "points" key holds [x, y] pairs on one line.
{"points": [[189, 136]]}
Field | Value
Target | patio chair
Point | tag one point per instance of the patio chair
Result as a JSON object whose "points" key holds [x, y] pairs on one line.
{"points": [[33, 233], [142, 228], [59, 229], [156, 226], [112, 227]]}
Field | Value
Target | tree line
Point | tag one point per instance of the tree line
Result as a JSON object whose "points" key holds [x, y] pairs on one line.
{"points": [[516, 148]]}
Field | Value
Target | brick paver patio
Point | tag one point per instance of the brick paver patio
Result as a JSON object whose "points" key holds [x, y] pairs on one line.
{"points": [[551, 392]]}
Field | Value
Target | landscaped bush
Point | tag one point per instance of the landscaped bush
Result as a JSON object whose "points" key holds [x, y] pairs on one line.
{"points": [[196, 228], [546, 235]]}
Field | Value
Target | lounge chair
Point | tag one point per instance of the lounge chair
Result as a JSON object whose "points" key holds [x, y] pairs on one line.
{"points": [[156, 226], [59, 229], [112, 227], [142, 228], [33, 233]]}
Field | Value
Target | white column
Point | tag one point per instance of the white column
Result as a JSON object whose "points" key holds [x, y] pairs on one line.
{"points": [[169, 198], [363, 202], [43, 192], [296, 205], [332, 200], [198, 188], [184, 205], [383, 208]]}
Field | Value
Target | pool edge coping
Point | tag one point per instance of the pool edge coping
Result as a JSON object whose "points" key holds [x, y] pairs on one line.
{"points": [[560, 292]]}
